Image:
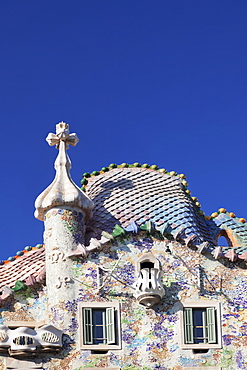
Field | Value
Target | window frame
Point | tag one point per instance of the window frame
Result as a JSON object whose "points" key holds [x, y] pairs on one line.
{"points": [[147, 257], [104, 368], [23, 364], [114, 307], [201, 305], [202, 368]]}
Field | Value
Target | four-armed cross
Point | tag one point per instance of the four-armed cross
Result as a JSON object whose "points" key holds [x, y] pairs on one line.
{"points": [[62, 134]]}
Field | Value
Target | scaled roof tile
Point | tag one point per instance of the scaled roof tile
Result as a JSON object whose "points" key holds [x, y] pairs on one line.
{"points": [[21, 268], [147, 194]]}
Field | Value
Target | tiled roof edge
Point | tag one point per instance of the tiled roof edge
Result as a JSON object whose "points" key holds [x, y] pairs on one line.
{"points": [[230, 214], [20, 253]]}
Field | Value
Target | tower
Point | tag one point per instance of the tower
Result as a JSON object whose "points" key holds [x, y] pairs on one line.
{"points": [[64, 208]]}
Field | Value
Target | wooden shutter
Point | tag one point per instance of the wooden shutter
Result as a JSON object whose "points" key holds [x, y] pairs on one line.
{"points": [[188, 326], [110, 325], [205, 325], [87, 326], [211, 324]]}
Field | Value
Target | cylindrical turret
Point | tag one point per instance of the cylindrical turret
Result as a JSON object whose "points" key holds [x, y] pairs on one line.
{"points": [[64, 208]]}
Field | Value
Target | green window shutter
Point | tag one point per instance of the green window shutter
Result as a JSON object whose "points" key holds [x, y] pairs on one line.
{"points": [[188, 326], [204, 323], [87, 326], [110, 326], [211, 325]]}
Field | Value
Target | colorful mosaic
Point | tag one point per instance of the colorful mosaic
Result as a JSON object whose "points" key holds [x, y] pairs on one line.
{"points": [[149, 336]]}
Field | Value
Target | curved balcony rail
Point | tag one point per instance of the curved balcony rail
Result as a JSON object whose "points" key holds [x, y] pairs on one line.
{"points": [[149, 288], [25, 341]]}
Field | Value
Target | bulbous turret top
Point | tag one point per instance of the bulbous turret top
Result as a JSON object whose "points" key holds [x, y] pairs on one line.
{"points": [[62, 191]]}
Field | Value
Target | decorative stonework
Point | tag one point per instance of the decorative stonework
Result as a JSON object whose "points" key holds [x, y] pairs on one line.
{"points": [[56, 256], [63, 191], [66, 239], [62, 134], [64, 281], [14, 364], [24, 341], [69, 224], [149, 287]]}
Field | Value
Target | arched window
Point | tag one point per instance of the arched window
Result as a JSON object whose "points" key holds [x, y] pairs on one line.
{"points": [[147, 261]]}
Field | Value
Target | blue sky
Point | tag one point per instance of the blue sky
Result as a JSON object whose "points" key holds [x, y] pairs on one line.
{"points": [[158, 82]]}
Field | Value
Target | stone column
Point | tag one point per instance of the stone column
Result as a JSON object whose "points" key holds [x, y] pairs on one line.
{"points": [[64, 233]]}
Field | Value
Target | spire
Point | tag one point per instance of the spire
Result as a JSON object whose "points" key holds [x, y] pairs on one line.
{"points": [[62, 191]]}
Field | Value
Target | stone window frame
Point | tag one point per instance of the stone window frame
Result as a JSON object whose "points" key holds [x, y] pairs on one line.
{"points": [[147, 257], [24, 364], [28, 324], [115, 305], [203, 368], [203, 305]]}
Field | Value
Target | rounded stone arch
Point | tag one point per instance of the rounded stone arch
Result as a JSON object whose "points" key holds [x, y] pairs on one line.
{"points": [[147, 260], [227, 237]]}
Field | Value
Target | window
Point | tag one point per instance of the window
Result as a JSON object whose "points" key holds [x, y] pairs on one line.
{"points": [[147, 261], [100, 325], [201, 325]]}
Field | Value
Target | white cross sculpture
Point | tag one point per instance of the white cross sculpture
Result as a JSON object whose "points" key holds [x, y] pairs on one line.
{"points": [[62, 134]]}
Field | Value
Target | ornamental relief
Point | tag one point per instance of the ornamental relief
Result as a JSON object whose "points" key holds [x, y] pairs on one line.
{"points": [[57, 256], [63, 281]]}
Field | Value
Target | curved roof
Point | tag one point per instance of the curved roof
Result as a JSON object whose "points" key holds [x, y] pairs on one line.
{"points": [[126, 195]]}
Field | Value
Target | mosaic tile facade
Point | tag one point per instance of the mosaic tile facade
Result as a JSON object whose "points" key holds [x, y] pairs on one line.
{"points": [[151, 338]]}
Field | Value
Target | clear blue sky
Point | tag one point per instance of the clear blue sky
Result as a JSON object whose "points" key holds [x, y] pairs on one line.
{"points": [[159, 82]]}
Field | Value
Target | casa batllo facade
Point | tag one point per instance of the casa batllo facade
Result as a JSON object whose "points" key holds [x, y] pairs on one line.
{"points": [[131, 275]]}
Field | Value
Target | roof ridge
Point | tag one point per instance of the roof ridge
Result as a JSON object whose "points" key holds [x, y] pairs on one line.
{"points": [[224, 211], [21, 253]]}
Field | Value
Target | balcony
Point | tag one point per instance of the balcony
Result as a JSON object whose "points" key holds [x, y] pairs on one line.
{"points": [[149, 288], [26, 341]]}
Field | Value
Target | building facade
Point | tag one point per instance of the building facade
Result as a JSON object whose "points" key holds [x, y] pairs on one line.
{"points": [[131, 275]]}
